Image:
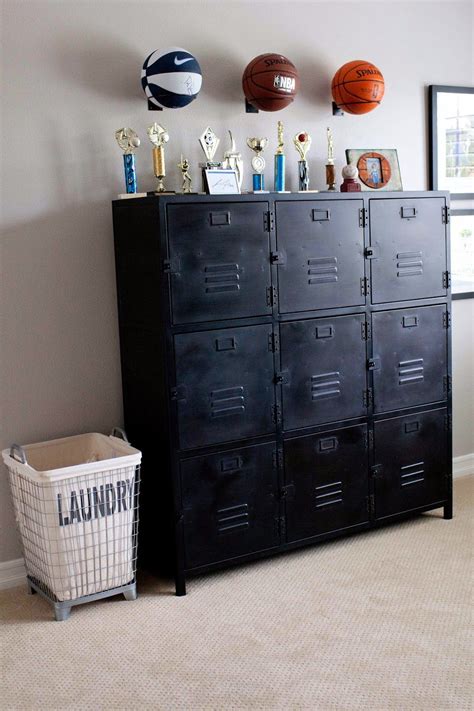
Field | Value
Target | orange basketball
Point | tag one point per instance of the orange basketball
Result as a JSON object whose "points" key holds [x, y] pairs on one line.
{"points": [[270, 82], [358, 87]]}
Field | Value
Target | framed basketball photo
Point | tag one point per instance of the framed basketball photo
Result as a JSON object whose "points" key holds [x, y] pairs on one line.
{"points": [[378, 168]]}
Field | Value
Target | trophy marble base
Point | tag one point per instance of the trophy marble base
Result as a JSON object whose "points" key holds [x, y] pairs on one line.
{"points": [[258, 192], [126, 196], [307, 191]]}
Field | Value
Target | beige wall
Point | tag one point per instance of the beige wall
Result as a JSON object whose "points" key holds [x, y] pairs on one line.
{"points": [[71, 77]]}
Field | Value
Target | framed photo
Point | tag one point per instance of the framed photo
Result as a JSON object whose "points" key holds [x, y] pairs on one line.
{"points": [[220, 181], [451, 123], [378, 168]]}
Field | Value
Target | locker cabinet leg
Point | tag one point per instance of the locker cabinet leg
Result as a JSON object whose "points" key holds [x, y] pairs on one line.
{"points": [[180, 584], [31, 590], [62, 612], [448, 511]]}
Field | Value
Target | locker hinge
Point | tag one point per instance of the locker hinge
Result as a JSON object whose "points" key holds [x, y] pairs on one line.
{"points": [[271, 295], [376, 471], [370, 505], [276, 414], [363, 217], [367, 397], [282, 377], [445, 215], [268, 221], [364, 286], [282, 524], [447, 383], [446, 280], [370, 439], [448, 422], [366, 331], [287, 492], [278, 458], [446, 319], [273, 342]]}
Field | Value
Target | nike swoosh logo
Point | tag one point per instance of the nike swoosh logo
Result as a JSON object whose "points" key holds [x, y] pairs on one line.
{"points": [[182, 61]]}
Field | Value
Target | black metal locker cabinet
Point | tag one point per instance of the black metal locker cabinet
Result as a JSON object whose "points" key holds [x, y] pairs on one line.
{"points": [[323, 370], [410, 357], [224, 385], [218, 261], [408, 248], [411, 462], [326, 482], [230, 503], [320, 254], [285, 365]]}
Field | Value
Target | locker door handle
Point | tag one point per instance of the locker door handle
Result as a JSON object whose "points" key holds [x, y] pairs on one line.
{"points": [[370, 253], [373, 364], [220, 218], [408, 212], [319, 215]]}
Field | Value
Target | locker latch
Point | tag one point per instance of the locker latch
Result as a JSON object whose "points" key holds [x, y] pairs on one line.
{"points": [[288, 492], [370, 253], [376, 471], [277, 258], [178, 392], [373, 364], [282, 377]]}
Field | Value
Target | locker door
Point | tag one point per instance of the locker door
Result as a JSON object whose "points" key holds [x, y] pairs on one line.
{"points": [[230, 503], [408, 238], [219, 261], [323, 370], [225, 385], [320, 254], [327, 478], [412, 454], [410, 357]]}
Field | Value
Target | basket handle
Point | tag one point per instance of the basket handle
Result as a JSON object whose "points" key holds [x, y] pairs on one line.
{"points": [[120, 433], [18, 453]]}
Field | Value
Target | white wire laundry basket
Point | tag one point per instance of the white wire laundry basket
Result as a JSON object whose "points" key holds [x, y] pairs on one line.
{"points": [[76, 507]]}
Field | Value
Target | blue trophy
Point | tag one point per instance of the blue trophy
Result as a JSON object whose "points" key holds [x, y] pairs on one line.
{"points": [[128, 141], [280, 162]]}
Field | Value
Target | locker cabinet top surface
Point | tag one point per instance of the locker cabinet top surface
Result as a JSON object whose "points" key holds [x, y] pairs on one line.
{"points": [[273, 196]]}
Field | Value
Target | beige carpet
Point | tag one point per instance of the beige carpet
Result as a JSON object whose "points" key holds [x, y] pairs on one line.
{"points": [[377, 621]]}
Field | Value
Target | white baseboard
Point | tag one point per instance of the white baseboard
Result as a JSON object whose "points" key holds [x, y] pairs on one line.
{"points": [[463, 466], [12, 572]]}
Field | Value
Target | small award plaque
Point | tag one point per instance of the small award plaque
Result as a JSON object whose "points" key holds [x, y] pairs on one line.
{"points": [[158, 136], [302, 143], [258, 145], [128, 141]]}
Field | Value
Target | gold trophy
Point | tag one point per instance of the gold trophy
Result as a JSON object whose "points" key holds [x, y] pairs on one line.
{"points": [[158, 137], [330, 167]]}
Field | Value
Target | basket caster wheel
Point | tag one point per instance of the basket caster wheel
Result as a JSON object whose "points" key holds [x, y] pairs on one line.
{"points": [[130, 594], [61, 613]]}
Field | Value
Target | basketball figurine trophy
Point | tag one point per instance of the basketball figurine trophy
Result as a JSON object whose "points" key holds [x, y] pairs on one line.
{"points": [[302, 143], [233, 161], [258, 145], [330, 167], [158, 137], [184, 168], [128, 141], [280, 162]]}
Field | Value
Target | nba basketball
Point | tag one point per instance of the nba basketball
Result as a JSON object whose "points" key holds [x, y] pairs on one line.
{"points": [[171, 78], [270, 82], [358, 87]]}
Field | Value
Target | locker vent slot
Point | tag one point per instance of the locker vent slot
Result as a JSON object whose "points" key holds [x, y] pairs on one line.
{"points": [[322, 270], [325, 385], [409, 264], [233, 518], [410, 371], [221, 278], [227, 401], [328, 494], [412, 474]]}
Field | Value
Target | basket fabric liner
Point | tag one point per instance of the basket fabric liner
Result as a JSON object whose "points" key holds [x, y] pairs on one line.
{"points": [[75, 504]]}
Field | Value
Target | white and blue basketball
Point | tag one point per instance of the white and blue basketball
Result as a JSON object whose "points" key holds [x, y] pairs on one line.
{"points": [[171, 78]]}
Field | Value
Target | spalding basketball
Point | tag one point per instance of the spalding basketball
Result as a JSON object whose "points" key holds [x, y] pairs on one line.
{"points": [[171, 78], [270, 82], [358, 87]]}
